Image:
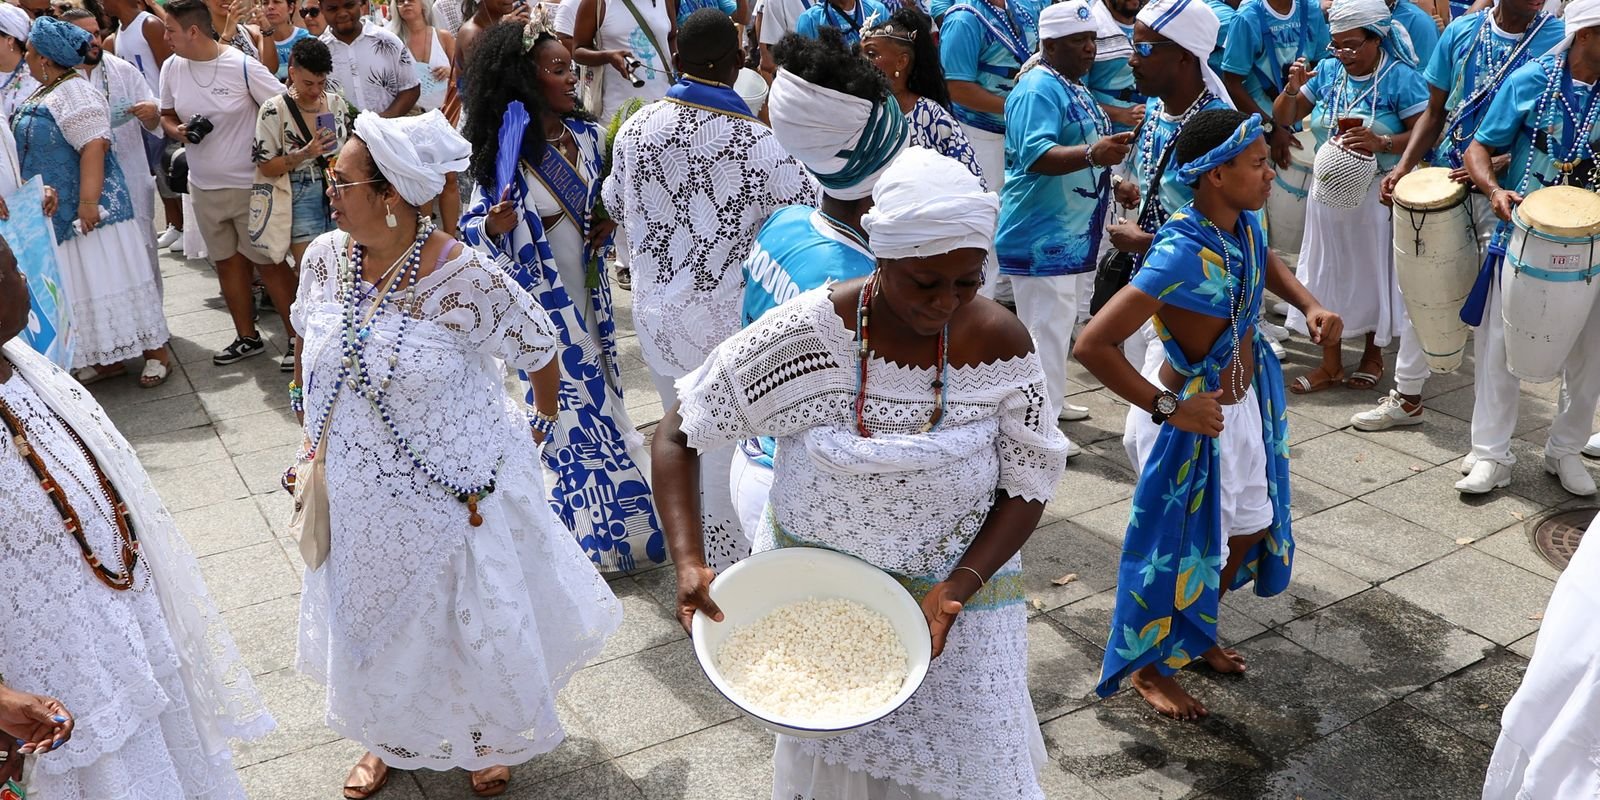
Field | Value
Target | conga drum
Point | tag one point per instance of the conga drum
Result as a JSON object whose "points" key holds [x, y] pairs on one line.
{"points": [[1436, 260], [1547, 281], [1286, 206]]}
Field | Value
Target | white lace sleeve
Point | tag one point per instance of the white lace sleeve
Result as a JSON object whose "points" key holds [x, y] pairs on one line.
{"points": [[1033, 451], [316, 269], [496, 315], [780, 376], [80, 111]]}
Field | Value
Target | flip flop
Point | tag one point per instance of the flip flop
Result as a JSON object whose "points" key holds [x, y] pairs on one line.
{"points": [[92, 375], [155, 373], [491, 782], [366, 780], [1304, 385]]}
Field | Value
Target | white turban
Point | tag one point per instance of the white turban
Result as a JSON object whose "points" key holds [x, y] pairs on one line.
{"points": [[1110, 41], [926, 204], [1580, 14], [1374, 16], [829, 132], [1067, 18], [1193, 26], [14, 22], [414, 153]]}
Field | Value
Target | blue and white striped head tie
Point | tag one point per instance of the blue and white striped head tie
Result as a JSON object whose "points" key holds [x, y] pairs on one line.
{"points": [[1247, 132]]}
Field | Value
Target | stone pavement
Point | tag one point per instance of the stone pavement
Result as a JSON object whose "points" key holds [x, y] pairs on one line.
{"points": [[1380, 674]]}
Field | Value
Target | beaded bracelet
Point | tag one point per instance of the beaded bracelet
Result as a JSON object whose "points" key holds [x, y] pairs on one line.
{"points": [[297, 398], [543, 424]]}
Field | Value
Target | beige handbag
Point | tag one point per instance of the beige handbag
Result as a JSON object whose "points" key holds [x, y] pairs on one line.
{"points": [[309, 525]]}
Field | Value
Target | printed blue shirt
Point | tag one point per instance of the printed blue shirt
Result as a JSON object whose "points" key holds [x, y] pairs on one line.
{"points": [[1050, 224], [1225, 14], [823, 15], [1399, 95], [1159, 130], [1474, 50], [986, 45], [1419, 25], [1262, 45]]}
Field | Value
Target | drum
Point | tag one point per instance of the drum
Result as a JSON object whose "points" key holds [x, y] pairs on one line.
{"points": [[1286, 206], [1547, 281], [1436, 260]]}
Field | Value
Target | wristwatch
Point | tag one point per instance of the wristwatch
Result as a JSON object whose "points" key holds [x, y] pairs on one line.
{"points": [[1268, 126], [1166, 405]]}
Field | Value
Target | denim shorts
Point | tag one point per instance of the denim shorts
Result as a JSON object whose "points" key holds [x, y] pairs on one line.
{"points": [[310, 207]]}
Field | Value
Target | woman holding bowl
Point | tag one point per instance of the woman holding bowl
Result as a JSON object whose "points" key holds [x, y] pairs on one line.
{"points": [[916, 437]]}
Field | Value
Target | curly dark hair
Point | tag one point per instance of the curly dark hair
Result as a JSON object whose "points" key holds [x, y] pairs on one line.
{"points": [[927, 75], [501, 70], [827, 61], [1205, 132], [311, 55]]}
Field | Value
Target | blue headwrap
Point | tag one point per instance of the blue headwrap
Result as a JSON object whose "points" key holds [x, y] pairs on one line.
{"points": [[1374, 16], [1247, 132], [62, 42]]}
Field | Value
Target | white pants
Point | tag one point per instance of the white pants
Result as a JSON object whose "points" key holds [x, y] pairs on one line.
{"points": [[751, 485], [725, 541], [1411, 362], [990, 148], [1049, 307]]}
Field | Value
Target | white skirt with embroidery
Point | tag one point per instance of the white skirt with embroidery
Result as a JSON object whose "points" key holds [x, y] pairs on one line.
{"points": [[114, 289]]}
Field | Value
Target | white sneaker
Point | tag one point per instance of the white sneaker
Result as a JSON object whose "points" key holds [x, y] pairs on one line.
{"points": [[1072, 413], [169, 236], [1391, 412], [1277, 333], [1574, 478], [1073, 448], [1592, 449], [1486, 476], [1281, 308], [1468, 461], [177, 244], [1277, 350]]}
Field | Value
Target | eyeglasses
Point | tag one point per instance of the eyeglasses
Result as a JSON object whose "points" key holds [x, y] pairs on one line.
{"points": [[1349, 52], [338, 186], [1147, 49], [311, 12]]}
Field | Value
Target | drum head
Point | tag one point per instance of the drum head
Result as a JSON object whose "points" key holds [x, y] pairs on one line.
{"points": [[1562, 211], [1429, 189], [1307, 154]]}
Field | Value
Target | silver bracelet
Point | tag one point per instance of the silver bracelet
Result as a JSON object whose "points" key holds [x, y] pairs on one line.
{"points": [[981, 582]]}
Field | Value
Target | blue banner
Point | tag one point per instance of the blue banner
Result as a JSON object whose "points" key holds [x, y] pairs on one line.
{"points": [[33, 241]]}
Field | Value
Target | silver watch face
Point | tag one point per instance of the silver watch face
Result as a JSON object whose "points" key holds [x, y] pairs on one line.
{"points": [[1166, 405]]}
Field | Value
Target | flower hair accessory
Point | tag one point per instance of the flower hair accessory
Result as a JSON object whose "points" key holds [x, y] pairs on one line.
{"points": [[540, 23]]}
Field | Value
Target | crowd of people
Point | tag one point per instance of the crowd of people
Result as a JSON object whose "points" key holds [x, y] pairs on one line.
{"points": [[862, 243]]}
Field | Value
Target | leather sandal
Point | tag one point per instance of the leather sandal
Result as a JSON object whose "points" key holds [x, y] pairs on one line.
{"points": [[1314, 381], [491, 781], [366, 778]]}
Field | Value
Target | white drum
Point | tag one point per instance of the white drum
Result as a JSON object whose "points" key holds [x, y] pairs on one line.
{"points": [[1436, 261], [1286, 206], [1547, 282]]}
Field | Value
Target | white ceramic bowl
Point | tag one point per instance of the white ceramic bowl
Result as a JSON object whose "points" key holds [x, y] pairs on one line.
{"points": [[752, 88], [766, 581]]}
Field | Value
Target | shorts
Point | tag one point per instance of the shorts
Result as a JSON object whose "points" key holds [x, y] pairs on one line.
{"points": [[224, 219], [310, 207], [163, 188]]}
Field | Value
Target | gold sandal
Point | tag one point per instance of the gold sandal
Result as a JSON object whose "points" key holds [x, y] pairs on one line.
{"points": [[491, 781], [366, 778]]}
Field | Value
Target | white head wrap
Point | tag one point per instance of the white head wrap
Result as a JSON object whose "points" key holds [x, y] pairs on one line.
{"points": [[1067, 18], [1580, 14], [1193, 26], [926, 204], [1110, 40], [414, 153], [14, 22], [1375, 16], [816, 125]]}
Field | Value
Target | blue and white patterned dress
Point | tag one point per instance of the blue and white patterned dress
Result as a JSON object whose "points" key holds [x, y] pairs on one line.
{"points": [[935, 128]]}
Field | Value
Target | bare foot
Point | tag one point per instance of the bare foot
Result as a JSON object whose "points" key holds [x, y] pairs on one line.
{"points": [[1226, 660], [1165, 695]]}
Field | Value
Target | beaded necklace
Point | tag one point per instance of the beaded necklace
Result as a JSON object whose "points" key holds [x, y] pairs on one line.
{"points": [[1557, 79], [1482, 55], [127, 538], [37, 99], [1235, 308], [843, 229], [863, 350], [1085, 101], [1345, 100], [1150, 161]]}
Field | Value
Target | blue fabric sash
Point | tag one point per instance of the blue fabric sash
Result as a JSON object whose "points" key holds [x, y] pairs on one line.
{"points": [[1457, 132], [1168, 581], [692, 91]]}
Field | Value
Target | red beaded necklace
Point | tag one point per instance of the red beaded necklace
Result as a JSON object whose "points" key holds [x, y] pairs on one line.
{"points": [[128, 539], [863, 336]]}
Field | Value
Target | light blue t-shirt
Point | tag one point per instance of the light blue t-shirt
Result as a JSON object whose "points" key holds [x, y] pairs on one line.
{"points": [[1111, 81], [1262, 45], [1225, 14], [823, 15], [283, 51], [1468, 54], [687, 7], [1047, 222], [986, 46], [795, 251], [1535, 137], [1419, 25], [1159, 129], [1400, 94]]}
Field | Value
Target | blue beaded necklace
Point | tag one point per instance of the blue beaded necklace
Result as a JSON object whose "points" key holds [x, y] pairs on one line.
{"points": [[1576, 123]]}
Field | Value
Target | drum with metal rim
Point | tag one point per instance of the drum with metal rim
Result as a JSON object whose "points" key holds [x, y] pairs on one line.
{"points": [[1547, 281]]}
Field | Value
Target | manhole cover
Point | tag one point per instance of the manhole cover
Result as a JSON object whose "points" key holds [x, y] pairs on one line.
{"points": [[1557, 536]]}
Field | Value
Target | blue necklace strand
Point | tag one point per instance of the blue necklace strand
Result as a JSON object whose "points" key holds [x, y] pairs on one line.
{"points": [[1576, 123]]}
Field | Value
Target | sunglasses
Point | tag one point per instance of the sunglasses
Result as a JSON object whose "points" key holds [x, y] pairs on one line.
{"points": [[1147, 49], [311, 12]]}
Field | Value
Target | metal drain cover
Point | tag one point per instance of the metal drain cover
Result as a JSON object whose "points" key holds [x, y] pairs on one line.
{"points": [[1556, 536]]}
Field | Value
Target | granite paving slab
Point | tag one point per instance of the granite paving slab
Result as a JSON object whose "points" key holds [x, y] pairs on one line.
{"points": [[1472, 700], [1393, 643]]}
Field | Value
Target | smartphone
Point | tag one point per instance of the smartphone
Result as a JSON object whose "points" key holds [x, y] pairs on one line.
{"points": [[325, 122]]}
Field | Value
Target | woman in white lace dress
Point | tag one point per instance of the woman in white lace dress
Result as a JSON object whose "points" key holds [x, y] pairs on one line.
{"points": [[935, 467], [126, 640], [452, 605]]}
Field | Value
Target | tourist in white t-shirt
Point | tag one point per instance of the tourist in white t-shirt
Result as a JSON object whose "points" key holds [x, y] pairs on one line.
{"points": [[218, 83]]}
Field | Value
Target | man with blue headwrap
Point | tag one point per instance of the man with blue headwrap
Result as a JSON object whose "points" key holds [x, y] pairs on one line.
{"points": [[1211, 509]]}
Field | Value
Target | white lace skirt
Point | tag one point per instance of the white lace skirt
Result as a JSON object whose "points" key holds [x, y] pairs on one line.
{"points": [[970, 731], [114, 288], [1347, 262], [470, 679]]}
